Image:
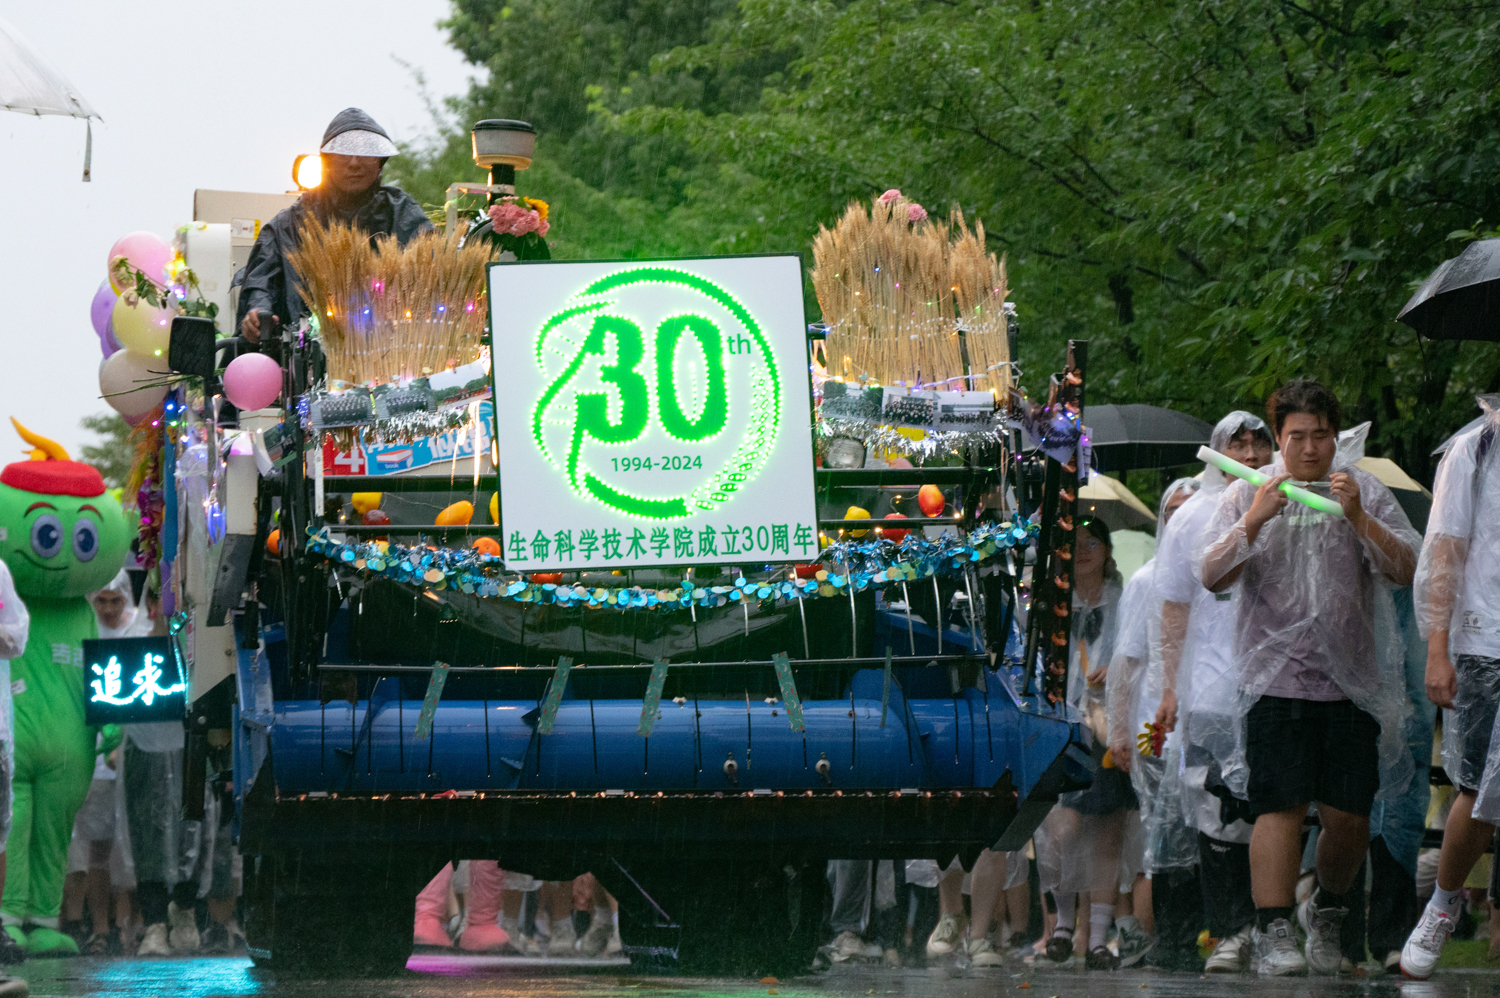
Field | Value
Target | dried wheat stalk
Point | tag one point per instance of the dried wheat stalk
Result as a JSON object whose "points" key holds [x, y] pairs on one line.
{"points": [[896, 296], [387, 312]]}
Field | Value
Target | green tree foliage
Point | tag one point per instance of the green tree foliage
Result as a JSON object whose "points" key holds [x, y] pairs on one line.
{"points": [[1218, 194], [113, 454]]}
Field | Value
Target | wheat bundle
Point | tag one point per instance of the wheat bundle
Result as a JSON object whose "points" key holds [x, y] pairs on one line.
{"points": [[897, 295], [388, 312]]}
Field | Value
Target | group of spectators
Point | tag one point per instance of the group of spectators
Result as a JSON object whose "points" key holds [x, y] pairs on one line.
{"points": [[1262, 695], [142, 880]]}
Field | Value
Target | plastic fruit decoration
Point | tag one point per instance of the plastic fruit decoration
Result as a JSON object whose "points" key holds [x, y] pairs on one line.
{"points": [[856, 513], [363, 502], [546, 578], [457, 515], [930, 499], [495, 508], [273, 543], [375, 518], [487, 545], [894, 533], [808, 571]]}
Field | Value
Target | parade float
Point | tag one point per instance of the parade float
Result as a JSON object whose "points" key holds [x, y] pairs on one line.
{"points": [[619, 567]]}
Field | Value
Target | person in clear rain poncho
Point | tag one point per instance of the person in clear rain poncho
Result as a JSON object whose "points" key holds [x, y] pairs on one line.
{"points": [[1196, 655], [1134, 689], [1317, 673], [1457, 596], [1080, 843]]}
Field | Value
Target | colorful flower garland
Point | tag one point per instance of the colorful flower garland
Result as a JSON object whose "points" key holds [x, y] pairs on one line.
{"points": [[859, 563]]}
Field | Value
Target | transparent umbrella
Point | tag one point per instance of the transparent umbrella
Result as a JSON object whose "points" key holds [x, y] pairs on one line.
{"points": [[29, 84]]}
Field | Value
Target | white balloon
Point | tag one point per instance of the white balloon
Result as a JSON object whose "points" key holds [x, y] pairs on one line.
{"points": [[121, 376]]}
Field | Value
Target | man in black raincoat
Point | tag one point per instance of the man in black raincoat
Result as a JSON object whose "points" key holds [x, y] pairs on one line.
{"points": [[354, 151]]}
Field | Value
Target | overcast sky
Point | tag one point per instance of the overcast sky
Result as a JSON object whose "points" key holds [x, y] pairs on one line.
{"points": [[219, 96]]}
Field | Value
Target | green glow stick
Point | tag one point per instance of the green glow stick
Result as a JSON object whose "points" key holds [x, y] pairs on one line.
{"points": [[1230, 466]]}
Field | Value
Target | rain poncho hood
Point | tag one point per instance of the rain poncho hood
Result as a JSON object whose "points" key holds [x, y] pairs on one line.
{"points": [[1226, 430], [1314, 614], [354, 133], [133, 616]]}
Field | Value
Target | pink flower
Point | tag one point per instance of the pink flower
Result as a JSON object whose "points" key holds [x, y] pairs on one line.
{"points": [[513, 219], [889, 196], [915, 213], [542, 228]]}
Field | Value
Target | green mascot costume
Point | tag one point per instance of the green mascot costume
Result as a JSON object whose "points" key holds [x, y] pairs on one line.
{"points": [[62, 536]]}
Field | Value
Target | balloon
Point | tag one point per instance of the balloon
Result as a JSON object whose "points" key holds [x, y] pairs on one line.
{"points": [[930, 499], [457, 515], [252, 381], [146, 252], [857, 513], [100, 308], [141, 328], [120, 380], [109, 345]]}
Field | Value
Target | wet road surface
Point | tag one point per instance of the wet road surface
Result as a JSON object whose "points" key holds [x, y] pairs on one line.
{"points": [[471, 977]]}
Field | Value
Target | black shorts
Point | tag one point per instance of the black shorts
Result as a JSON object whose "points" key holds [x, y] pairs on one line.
{"points": [[1474, 709], [1110, 792], [1302, 751]]}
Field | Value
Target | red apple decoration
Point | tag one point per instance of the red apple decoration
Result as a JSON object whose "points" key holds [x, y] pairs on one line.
{"points": [[930, 499], [894, 533], [375, 518]]}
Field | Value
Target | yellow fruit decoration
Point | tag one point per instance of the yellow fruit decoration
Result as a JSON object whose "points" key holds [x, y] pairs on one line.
{"points": [[365, 501], [495, 508], [457, 515], [856, 513]]}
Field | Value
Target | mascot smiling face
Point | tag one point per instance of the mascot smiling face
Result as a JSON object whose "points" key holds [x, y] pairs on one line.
{"points": [[64, 535]]}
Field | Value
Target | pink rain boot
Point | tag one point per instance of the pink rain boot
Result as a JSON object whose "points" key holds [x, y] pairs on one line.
{"points": [[482, 932], [432, 907]]}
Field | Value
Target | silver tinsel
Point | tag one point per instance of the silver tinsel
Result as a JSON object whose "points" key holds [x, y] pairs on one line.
{"points": [[882, 436]]}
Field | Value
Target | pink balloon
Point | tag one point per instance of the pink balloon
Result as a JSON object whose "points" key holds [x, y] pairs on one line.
{"points": [[146, 252], [102, 305], [252, 381]]}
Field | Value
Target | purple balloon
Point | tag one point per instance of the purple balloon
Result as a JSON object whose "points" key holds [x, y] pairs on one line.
{"points": [[102, 306], [108, 345]]}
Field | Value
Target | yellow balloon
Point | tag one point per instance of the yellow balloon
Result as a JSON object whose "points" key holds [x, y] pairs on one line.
{"points": [[457, 515], [142, 329], [363, 502]]}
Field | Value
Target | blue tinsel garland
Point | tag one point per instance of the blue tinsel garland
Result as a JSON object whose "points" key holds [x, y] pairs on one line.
{"points": [[853, 562]]}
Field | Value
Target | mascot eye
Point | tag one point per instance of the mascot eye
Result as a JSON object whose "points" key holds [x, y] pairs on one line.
{"points": [[47, 536], [85, 540]]}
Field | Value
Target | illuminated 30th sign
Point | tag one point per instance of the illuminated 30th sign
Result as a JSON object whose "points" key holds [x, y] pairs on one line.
{"points": [[131, 680], [653, 412]]}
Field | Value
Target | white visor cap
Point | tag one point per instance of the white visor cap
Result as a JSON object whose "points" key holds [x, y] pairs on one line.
{"points": [[358, 142]]}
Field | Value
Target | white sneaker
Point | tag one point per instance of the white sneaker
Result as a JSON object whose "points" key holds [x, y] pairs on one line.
{"points": [[155, 942], [1276, 952], [945, 938], [1324, 929], [1232, 955], [848, 945], [1419, 957], [183, 936], [982, 953], [564, 940], [1134, 941]]}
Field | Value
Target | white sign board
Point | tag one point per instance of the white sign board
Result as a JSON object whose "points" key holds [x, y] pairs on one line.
{"points": [[653, 412]]}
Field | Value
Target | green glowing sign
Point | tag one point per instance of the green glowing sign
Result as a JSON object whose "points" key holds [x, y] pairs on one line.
{"points": [[655, 393]]}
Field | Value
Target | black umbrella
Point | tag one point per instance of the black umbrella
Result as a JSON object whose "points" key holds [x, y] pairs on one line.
{"points": [[1460, 300], [1144, 436]]}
